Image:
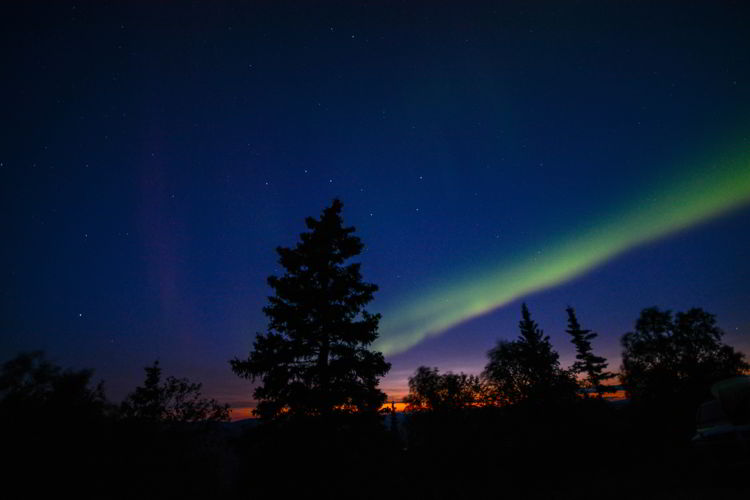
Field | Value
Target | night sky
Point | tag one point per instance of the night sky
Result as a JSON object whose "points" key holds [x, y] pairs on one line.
{"points": [[153, 156]]}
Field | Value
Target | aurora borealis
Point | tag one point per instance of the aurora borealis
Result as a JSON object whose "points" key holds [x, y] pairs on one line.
{"points": [[698, 195], [591, 154]]}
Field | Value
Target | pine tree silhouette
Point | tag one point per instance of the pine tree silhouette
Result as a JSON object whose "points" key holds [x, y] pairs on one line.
{"points": [[528, 368], [587, 363], [315, 360]]}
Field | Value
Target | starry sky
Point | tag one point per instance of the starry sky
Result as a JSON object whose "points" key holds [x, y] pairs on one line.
{"points": [[153, 155]]}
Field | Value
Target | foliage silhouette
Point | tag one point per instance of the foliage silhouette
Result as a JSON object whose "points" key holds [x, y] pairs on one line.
{"points": [[53, 425], [668, 358], [315, 360], [527, 369], [58, 421], [174, 401], [429, 390], [31, 386], [593, 367]]}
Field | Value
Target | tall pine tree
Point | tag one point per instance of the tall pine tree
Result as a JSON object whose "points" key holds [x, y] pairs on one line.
{"points": [[315, 360], [591, 366]]}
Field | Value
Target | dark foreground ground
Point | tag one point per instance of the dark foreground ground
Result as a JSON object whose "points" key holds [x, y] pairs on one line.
{"points": [[588, 450]]}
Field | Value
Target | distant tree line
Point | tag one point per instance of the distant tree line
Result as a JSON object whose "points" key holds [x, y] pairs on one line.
{"points": [[31, 387], [667, 359], [61, 435]]}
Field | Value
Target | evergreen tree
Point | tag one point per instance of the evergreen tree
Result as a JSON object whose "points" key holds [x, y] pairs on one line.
{"points": [[314, 359], [528, 368], [587, 363]]}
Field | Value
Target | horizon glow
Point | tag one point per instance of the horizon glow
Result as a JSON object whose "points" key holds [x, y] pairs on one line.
{"points": [[701, 194]]}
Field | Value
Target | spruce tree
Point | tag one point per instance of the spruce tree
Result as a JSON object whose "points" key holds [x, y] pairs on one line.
{"points": [[528, 368], [593, 367], [315, 358]]}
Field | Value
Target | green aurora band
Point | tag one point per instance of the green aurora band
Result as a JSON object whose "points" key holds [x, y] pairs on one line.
{"points": [[694, 197]]}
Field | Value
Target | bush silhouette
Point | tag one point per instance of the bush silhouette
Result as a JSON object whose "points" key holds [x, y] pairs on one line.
{"points": [[174, 401], [430, 390]]}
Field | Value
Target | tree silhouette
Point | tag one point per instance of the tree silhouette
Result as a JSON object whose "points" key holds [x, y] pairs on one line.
{"points": [[527, 369], [668, 358], [55, 419], [587, 363], [429, 390], [175, 401], [315, 360], [32, 387]]}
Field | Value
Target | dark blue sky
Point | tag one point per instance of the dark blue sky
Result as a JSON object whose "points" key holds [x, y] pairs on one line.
{"points": [[153, 156]]}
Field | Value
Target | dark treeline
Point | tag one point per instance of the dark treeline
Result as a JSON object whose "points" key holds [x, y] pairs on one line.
{"points": [[519, 429], [525, 427], [669, 362], [61, 436], [535, 429]]}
